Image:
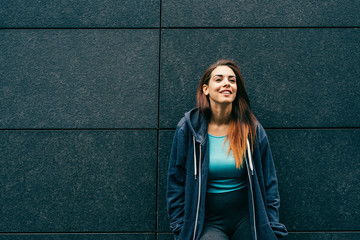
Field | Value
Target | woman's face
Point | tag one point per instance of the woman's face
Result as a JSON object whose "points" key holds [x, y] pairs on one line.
{"points": [[222, 87]]}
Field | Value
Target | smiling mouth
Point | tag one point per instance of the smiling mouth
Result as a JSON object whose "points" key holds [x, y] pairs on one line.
{"points": [[226, 92]]}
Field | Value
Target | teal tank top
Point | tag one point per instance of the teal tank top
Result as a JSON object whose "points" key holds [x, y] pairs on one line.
{"points": [[223, 174]]}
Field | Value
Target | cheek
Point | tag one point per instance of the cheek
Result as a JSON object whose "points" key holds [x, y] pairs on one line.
{"points": [[235, 91]]}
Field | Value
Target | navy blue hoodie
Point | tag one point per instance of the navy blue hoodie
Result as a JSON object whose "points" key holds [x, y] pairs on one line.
{"points": [[187, 180]]}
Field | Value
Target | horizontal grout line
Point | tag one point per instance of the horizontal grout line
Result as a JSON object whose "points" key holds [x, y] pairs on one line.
{"points": [[78, 129], [294, 128], [159, 232], [326, 231], [308, 231], [268, 27], [313, 128], [160, 128], [170, 28], [166, 129], [100, 28], [70, 233]]}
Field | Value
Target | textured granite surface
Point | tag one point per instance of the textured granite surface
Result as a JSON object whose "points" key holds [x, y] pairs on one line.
{"points": [[78, 78], [78, 181], [83, 103], [165, 236], [319, 182], [80, 14], [263, 13]]}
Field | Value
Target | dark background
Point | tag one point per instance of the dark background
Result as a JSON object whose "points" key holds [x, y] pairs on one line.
{"points": [[91, 92]]}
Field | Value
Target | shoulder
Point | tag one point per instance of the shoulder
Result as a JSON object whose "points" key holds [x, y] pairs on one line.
{"points": [[182, 127], [188, 118], [260, 132]]}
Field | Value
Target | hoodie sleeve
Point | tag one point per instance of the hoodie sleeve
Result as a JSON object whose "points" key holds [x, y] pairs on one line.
{"points": [[271, 185], [176, 183]]}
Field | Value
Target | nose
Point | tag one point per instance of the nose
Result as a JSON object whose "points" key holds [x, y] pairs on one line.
{"points": [[226, 82]]}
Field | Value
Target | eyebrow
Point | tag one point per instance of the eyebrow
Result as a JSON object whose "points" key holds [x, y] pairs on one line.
{"points": [[219, 75]]}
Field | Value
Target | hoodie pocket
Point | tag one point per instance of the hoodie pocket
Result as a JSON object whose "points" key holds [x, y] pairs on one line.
{"points": [[266, 232]]}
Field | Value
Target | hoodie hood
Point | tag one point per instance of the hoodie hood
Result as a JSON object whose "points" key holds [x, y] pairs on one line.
{"points": [[197, 125]]}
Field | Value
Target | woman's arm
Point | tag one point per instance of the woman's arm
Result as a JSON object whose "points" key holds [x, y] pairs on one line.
{"points": [[271, 186], [176, 182]]}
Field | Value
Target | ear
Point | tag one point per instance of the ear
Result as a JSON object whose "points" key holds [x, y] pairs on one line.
{"points": [[205, 89]]}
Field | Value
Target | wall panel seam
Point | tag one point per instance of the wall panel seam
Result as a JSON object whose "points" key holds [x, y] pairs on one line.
{"points": [[158, 128], [269, 27], [204, 27]]}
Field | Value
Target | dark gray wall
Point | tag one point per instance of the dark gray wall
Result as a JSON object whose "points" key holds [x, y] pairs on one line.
{"points": [[91, 94]]}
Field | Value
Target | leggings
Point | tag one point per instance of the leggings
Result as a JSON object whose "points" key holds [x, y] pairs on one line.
{"points": [[227, 216]]}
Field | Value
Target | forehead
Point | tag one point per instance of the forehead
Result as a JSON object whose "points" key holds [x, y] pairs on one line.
{"points": [[222, 70]]}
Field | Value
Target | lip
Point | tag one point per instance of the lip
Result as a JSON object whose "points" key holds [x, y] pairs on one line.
{"points": [[226, 90]]}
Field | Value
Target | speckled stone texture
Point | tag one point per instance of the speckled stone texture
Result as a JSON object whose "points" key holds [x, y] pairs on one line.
{"points": [[318, 172], [263, 13], [165, 236], [78, 181], [78, 78], [294, 77], [91, 92], [80, 14]]}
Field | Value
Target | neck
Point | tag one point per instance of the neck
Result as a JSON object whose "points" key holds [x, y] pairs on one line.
{"points": [[220, 114]]}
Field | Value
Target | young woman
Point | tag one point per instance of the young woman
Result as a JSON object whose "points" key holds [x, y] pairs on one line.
{"points": [[221, 181]]}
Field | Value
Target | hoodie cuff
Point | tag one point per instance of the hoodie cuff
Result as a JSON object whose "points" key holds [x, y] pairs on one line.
{"points": [[176, 227], [279, 229]]}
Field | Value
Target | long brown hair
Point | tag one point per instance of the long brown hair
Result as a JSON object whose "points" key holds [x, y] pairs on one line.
{"points": [[242, 120]]}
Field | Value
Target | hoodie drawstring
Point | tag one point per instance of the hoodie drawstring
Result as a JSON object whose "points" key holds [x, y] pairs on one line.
{"points": [[195, 165], [199, 191], [250, 158]]}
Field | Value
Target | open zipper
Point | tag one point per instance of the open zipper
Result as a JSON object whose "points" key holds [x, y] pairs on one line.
{"points": [[199, 191], [251, 166]]}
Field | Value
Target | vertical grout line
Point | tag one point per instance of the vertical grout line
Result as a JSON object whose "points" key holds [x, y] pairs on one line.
{"points": [[158, 130]]}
